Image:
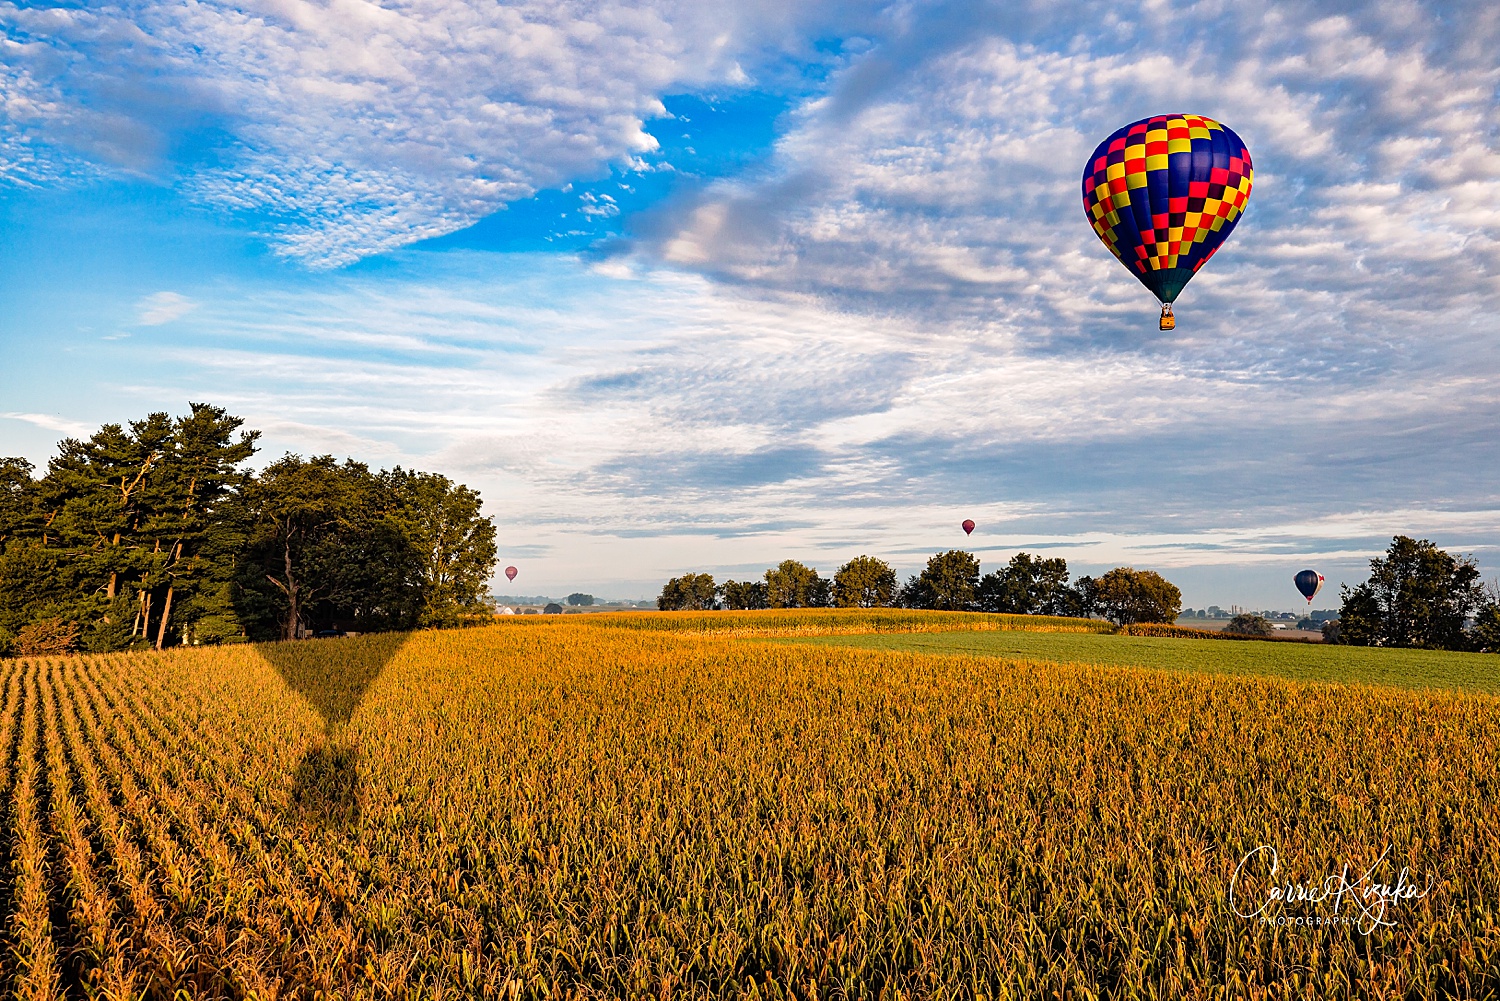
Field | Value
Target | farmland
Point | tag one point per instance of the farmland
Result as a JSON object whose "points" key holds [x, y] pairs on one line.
{"points": [[1444, 669], [728, 805]]}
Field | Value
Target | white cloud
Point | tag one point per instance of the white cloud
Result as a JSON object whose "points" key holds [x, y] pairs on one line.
{"points": [[162, 307], [52, 422], [938, 178], [355, 127]]}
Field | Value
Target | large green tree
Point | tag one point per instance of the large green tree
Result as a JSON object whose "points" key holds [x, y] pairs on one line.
{"points": [[1417, 595], [155, 532], [454, 544], [326, 550], [865, 582], [795, 585], [690, 592], [1126, 596], [1028, 585], [122, 520], [950, 581]]}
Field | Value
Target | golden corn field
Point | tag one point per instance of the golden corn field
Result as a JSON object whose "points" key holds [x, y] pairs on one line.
{"points": [[634, 806]]}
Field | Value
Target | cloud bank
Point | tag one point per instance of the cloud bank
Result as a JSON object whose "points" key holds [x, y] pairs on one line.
{"points": [[350, 127]]}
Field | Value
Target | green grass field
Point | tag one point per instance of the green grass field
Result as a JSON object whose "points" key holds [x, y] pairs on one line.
{"points": [[1470, 672]]}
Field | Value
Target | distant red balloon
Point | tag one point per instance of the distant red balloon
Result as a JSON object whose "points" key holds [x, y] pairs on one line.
{"points": [[511, 572], [968, 526]]}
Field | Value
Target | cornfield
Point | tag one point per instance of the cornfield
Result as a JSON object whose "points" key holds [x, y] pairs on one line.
{"points": [[576, 808]]}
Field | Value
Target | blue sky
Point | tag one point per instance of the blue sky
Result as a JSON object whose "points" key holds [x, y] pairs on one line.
{"points": [[682, 286]]}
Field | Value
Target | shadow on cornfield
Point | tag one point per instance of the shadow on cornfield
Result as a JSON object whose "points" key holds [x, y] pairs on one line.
{"points": [[326, 787], [333, 675]]}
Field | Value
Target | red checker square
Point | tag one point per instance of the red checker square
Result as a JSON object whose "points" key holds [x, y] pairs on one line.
{"points": [[1179, 132], [1140, 252], [1159, 221], [1135, 166], [1174, 248], [1197, 189], [1138, 129], [1177, 204], [1216, 176], [1118, 185], [1157, 148], [1101, 163], [1118, 144]]}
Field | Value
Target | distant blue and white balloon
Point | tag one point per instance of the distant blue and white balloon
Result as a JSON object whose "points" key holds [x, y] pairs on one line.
{"points": [[1309, 582]]}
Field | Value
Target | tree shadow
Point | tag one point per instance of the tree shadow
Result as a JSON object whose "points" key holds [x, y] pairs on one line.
{"points": [[333, 675]]}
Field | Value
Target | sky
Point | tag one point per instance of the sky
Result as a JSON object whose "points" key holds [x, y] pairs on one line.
{"points": [[701, 287]]}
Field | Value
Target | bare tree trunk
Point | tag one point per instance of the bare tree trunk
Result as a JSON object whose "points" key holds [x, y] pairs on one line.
{"points": [[293, 612], [146, 616], [166, 613]]}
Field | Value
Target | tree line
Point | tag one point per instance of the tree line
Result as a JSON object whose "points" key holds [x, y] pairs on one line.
{"points": [[951, 581], [157, 533], [1417, 595]]}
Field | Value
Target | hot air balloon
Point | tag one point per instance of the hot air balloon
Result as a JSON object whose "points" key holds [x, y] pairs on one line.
{"points": [[510, 572], [1163, 194], [968, 526], [1309, 582]]}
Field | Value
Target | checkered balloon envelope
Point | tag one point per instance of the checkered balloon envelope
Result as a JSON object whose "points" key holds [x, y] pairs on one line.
{"points": [[1163, 194]]}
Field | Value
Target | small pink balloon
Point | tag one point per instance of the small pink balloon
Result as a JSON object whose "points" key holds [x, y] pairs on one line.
{"points": [[511, 572], [968, 526]]}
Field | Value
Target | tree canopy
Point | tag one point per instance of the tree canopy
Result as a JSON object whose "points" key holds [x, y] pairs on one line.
{"points": [[794, 585], [688, 593], [949, 582], [157, 532], [865, 582], [744, 595], [1126, 595], [1250, 624], [1417, 595], [1029, 585]]}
